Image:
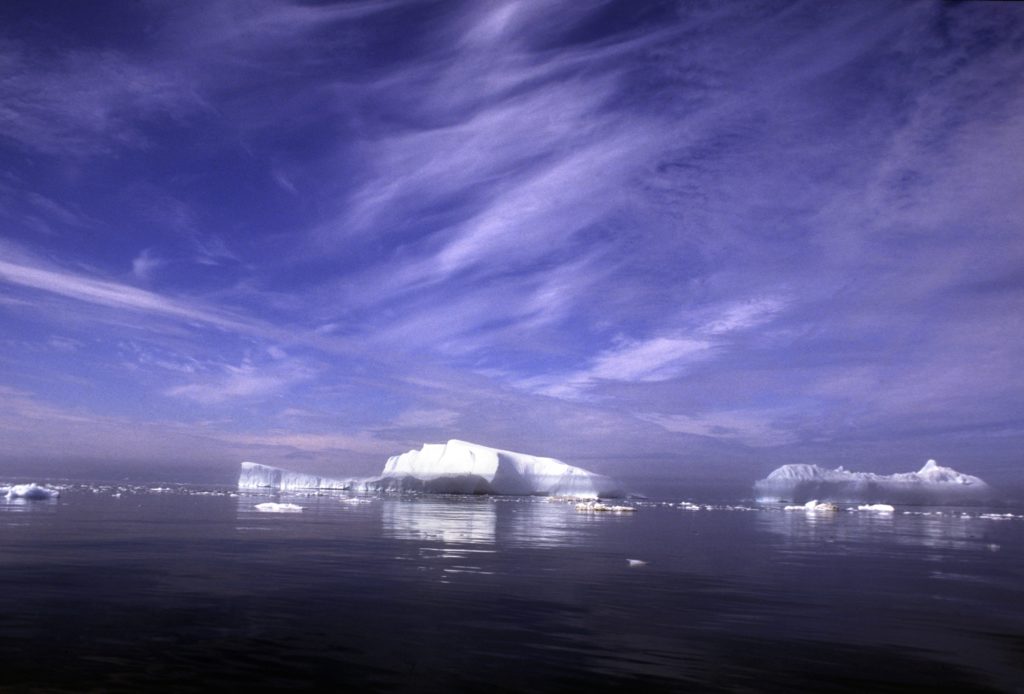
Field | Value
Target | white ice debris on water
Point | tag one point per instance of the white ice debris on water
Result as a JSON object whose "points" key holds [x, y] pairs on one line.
{"points": [[636, 562], [31, 491], [598, 507], [814, 506], [876, 508], [456, 467], [274, 507], [932, 484]]}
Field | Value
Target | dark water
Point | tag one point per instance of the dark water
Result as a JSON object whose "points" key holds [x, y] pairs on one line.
{"points": [[182, 591]]}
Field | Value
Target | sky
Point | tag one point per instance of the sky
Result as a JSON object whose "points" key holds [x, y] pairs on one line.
{"points": [[699, 239]]}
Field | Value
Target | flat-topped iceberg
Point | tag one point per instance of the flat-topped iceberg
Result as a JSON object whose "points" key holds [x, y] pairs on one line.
{"points": [[932, 484], [456, 467]]}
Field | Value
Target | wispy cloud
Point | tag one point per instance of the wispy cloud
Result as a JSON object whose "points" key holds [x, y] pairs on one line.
{"points": [[107, 293], [661, 357], [247, 381]]}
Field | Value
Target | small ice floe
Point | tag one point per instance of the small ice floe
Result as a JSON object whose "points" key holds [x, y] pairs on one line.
{"points": [[355, 500], [688, 506], [274, 507], [636, 562], [998, 516], [598, 507], [31, 491], [814, 506], [877, 508]]}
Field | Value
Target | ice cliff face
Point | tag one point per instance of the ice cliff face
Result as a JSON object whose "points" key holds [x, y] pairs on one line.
{"points": [[256, 476], [932, 484], [456, 467]]}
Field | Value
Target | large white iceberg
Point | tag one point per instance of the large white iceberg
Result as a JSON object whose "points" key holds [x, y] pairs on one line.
{"points": [[932, 484], [456, 467]]}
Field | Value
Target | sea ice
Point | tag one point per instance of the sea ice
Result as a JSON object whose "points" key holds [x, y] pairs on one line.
{"points": [[814, 506], [456, 467], [31, 491], [877, 508], [932, 484], [273, 507]]}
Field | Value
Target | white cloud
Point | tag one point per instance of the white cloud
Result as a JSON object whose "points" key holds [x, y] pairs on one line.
{"points": [[144, 263]]}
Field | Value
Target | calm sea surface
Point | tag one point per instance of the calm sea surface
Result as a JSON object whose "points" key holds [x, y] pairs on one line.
{"points": [[190, 589]]}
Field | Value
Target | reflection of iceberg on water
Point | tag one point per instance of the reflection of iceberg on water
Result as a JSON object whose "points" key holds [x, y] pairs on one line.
{"points": [[456, 467], [450, 522], [932, 484]]}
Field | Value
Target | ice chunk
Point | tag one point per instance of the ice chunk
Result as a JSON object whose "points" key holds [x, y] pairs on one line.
{"points": [[31, 491], [814, 506], [273, 507], [877, 508], [932, 484], [456, 467]]}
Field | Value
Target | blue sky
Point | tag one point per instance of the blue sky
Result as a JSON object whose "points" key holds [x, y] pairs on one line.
{"points": [[693, 238]]}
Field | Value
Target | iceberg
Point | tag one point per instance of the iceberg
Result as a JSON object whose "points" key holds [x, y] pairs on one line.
{"points": [[467, 468], [31, 491], [456, 467], [932, 484]]}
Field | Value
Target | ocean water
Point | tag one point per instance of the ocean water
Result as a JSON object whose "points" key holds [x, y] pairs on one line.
{"points": [[190, 589]]}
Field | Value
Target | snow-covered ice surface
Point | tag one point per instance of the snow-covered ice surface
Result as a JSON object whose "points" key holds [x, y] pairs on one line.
{"points": [[932, 484], [456, 467]]}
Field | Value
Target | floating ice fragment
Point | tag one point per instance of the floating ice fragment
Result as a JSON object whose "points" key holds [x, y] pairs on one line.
{"points": [[31, 491], [876, 508], [598, 507], [636, 562], [274, 507], [814, 506]]}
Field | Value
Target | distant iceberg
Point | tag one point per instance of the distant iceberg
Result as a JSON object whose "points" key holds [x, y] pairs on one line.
{"points": [[456, 467], [932, 484]]}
